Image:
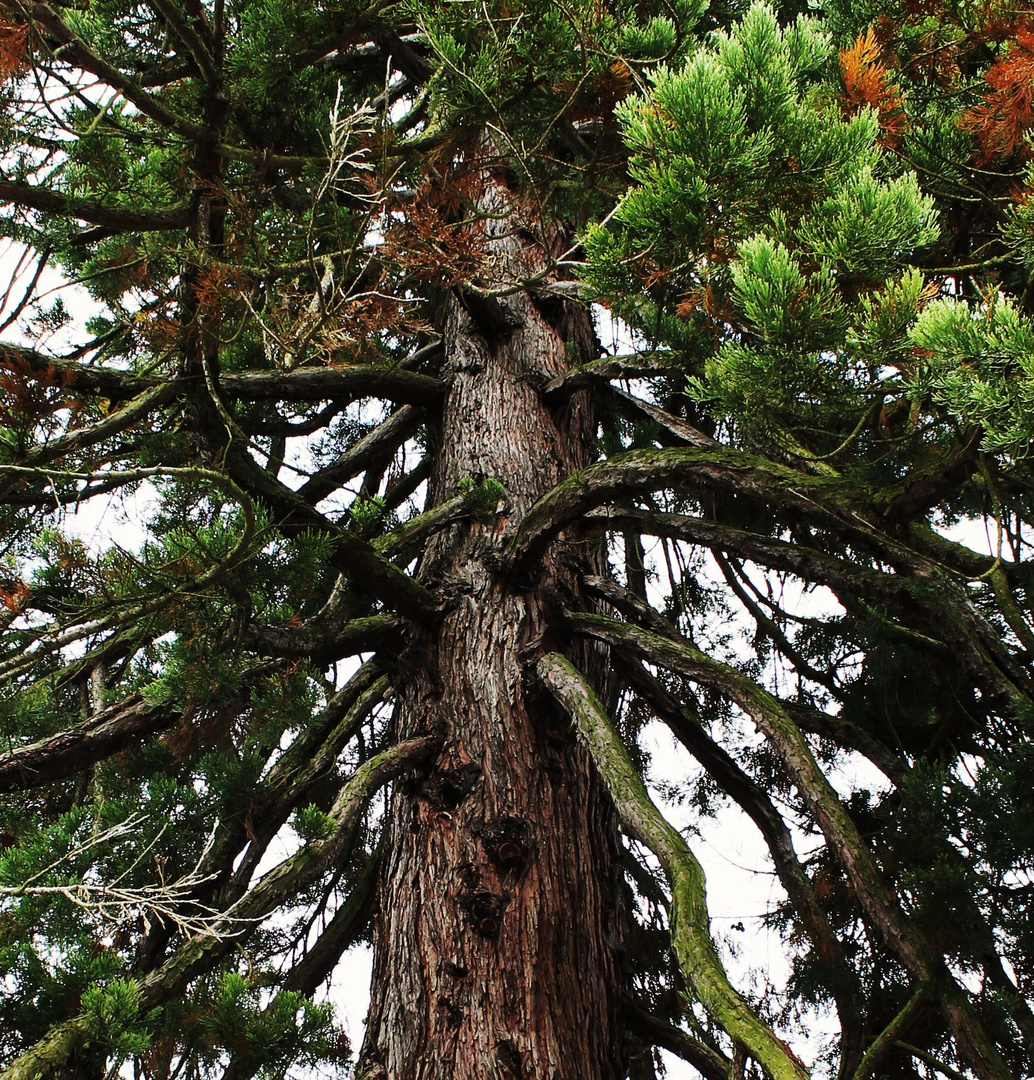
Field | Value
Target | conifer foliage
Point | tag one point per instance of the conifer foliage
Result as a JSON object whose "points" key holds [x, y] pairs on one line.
{"points": [[398, 566]]}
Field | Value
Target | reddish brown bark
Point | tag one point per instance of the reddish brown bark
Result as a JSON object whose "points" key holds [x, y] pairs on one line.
{"points": [[495, 942]]}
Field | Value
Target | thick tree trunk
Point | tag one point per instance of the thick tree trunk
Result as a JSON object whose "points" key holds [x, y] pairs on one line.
{"points": [[497, 939]]}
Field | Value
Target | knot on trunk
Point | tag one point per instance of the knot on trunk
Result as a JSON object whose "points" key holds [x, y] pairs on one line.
{"points": [[484, 910], [508, 841], [447, 788]]}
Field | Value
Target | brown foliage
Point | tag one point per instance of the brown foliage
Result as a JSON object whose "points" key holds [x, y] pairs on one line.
{"points": [[867, 81], [435, 238], [29, 396], [13, 40], [217, 283], [15, 599], [1001, 122]]}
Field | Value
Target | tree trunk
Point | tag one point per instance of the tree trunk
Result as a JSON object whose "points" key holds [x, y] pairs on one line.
{"points": [[497, 942]]}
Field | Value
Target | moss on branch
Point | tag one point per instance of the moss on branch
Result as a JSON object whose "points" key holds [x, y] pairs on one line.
{"points": [[690, 932]]}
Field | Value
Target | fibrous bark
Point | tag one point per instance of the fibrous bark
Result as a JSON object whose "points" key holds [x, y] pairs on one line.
{"points": [[495, 942]]}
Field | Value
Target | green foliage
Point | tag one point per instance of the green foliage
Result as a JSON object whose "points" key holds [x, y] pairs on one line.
{"points": [[235, 1016], [312, 824], [817, 226], [481, 497], [112, 1018], [366, 516], [758, 231], [980, 366]]}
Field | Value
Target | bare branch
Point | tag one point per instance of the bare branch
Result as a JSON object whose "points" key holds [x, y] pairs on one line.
{"points": [[172, 902]]}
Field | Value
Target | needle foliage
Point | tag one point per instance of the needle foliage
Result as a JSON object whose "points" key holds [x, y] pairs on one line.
{"points": [[236, 229]]}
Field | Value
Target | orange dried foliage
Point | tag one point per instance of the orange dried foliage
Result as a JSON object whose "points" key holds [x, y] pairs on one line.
{"points": [[15, 600], [29, 395], [158, 330], [434, 239], [13, 42], [867, 81], [130, 264], [358, 327], [685, 308], [1006, 114], [216, 284], [203, 725], [711, 307], [595, 99]]}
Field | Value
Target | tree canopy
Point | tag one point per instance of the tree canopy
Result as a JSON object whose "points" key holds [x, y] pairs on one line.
{"points": [[408, 562]]}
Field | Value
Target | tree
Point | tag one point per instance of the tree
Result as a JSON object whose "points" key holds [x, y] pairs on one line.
{"points": [[415, 562]]}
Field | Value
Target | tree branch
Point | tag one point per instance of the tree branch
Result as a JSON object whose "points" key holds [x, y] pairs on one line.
{"points": [[323, 639], [872, 892], [319, 384], [888, 1036], [689, 918], [198, 50], [687, 469], [342, 932], [756, 804], [117, 385], [367, 569], [80, 438], [109, 217], [69, 752], [47, 1060], [601, 372], [384, 439], [921, 591], [72, 48], [651, 1029]]}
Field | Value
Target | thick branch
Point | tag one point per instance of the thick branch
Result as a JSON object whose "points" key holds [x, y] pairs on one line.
{"points": [[601, 372], [296, 773], [690, 468], [885, 1041], [115, 422], [324, 640], [304, 384], [674, 425], [809, 564], [651, 1029], [832, 501], [294, 873], [71, 751], [109, 217], [48, 1059], [696, 953], [343, 930], [759, 808], [116, 385], [812, 720], [384, 439], [350, 380], [872, 892], [921, 591], [359, 560]]}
